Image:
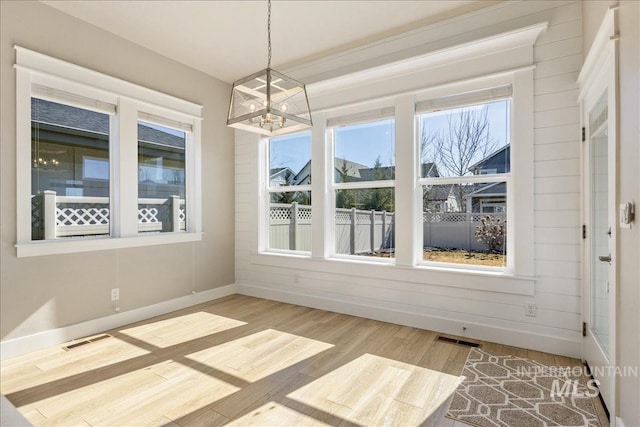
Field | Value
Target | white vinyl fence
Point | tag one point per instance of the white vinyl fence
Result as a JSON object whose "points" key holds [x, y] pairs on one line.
{"points": [[360, 231], [290, 226], [454, 230], [54, 216], [357, 231]]}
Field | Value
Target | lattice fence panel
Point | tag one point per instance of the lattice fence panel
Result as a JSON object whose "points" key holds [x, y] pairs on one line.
{"points": [[36, 218], [88, 214], [279, 213], [155, 216], [148, 215], [304, 213], [343, 216]]}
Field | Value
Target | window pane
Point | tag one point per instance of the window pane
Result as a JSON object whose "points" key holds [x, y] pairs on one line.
{"points": [[69, 171], [161, 179], [290, 221], [465, 223], [365, 152], [365, 222], [466, 141], [290, 160]]}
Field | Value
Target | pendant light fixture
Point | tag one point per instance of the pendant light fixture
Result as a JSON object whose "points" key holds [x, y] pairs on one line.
{"points": [[268, 102]]}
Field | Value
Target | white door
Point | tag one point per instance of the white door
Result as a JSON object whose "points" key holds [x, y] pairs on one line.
{"points": [[598, 95], [599, 294]]}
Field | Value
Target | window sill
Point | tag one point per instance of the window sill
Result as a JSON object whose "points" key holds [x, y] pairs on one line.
{"points": [[480, 280], [67, 246]]}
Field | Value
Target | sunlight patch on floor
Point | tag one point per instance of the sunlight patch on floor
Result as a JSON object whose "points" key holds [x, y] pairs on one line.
{"points": [[167, 389], [373, 390], [275, 415], [178, 330], [259, 355], [55, 364]]}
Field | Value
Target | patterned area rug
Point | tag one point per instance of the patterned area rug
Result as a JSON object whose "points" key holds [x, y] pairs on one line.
{"points": [[509, 391]]}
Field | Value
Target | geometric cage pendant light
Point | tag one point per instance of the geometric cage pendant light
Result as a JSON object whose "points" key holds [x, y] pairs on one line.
{"points": [[268, 102]]}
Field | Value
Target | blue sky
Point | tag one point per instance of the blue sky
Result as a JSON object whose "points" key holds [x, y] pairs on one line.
{"points": [[293, 151], [363, 143]]}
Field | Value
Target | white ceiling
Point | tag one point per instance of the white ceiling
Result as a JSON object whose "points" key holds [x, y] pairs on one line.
{"points": [[228, 39]]}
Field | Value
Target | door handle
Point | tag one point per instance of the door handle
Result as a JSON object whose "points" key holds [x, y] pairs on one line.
{"points": [[605, 258]]}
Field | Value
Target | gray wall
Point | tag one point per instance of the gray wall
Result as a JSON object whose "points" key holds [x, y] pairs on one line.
{"points": [[628, 262], [42, 293]]}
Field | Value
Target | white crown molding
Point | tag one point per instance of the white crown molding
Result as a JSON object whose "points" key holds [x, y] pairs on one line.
{"points": [[500, 42], [607, 33]]}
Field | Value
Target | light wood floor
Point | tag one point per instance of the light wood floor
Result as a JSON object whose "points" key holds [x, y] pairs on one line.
{"points": [[246, 361]]}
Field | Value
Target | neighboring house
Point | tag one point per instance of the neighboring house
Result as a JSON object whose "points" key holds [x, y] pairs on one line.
{"points": [[374, 174], [73, 158], [491, 197], [351, 170], [281, 176], [496, 162], [358, 172], [303, 177], [429, 170], [487, 198], [342, 166], [440, 198]]}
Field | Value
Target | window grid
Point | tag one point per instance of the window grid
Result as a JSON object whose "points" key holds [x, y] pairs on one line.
{"points": [[457, 228], [109, 220], [288, 194], [362, 226]]}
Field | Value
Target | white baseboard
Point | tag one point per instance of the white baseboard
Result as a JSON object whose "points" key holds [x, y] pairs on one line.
{"points": [[619, 422], [516, 338], [26, 344]]}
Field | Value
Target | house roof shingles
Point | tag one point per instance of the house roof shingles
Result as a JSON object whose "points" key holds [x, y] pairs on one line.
{"points": [[56, 114]]}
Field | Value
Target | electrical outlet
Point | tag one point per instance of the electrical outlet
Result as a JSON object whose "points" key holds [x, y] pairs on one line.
{"points": [[115, 294], [530, 309], [296, 278]]}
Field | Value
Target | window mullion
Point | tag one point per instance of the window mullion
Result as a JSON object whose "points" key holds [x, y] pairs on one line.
{"points": [[288, 188], [364, 185], [522, 155], [193, 175], [319, 185], [406, 159], [124, 170], [473, 179], [23, 155]]}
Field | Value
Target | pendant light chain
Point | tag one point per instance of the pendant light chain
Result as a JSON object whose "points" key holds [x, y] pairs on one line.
{"points": [[269, 31]]}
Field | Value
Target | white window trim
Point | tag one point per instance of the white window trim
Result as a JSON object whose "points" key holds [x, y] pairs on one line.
{"points": [[130, 100], [500, 59], [518, 278], [477, 179], [336, 121], [519, 183], [265, 205]]}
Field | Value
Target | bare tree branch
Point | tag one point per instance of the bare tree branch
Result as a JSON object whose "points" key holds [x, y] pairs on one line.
{"points": [[466, 142]]}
